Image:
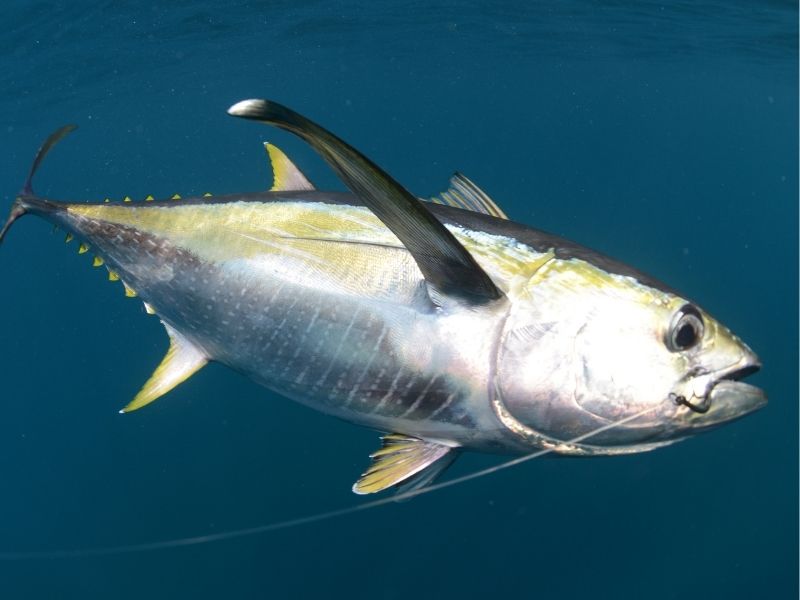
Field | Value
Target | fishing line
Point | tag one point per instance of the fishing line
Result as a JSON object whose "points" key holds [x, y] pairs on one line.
{"points": [[250, 531]]}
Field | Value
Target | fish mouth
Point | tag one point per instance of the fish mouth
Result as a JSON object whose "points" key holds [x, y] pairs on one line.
{"points": [[726, 396]]}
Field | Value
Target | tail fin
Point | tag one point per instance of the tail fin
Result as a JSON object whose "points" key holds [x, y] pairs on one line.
{"points": [[19, 208]]}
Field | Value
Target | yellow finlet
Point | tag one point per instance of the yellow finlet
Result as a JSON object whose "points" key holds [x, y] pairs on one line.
{"points": [[183, 359], [149, 309], [286, 176], [113, 275], [176, 197], [149, 198], [207, 195], [403, 457], [83, 248], [129, 291], [107, 200], [68, 238], [127, 199], [97, 262]]}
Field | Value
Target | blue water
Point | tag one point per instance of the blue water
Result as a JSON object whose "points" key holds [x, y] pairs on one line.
{"points": [[663, 134]]}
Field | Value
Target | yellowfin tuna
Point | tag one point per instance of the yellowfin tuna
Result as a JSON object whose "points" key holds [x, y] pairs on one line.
{"points": [[441, 321]]}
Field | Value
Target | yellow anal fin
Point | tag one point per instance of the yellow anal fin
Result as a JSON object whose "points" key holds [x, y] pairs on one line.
{"points": [[183, 360], [286, 176], [464, 194], [402, 458]]}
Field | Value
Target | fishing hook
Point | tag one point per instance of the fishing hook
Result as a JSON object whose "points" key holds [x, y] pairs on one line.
{"points": [[698, 408]]}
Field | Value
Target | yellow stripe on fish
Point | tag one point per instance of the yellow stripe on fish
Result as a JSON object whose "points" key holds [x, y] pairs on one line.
{"points": [[241, 230]]}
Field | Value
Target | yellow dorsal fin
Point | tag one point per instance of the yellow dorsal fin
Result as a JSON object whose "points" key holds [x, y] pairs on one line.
{"points": [[464, 194], [183, 359], [286, 176], [403, 457]]}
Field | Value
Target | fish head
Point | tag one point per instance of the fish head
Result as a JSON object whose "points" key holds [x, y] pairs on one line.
{"points": [[709, 361], [583, 349]]}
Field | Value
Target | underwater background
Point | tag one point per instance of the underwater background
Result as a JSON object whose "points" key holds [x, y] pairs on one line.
{"points": [[664, 134]]}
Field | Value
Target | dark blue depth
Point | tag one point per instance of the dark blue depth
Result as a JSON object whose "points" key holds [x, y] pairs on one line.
{"points": [[664, 134]]}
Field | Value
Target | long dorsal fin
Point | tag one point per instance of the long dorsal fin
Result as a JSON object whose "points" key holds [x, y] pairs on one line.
{"points": [[444, 262], [183, 359], [403, 457], [463, 193], [286, 177]]}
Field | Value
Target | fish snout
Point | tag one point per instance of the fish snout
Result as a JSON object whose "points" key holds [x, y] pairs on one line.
{"points": [[721, 397]]}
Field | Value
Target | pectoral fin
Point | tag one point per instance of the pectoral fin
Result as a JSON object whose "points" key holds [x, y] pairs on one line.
{"points": [[404, 458], [443, 261], [183, 360]]}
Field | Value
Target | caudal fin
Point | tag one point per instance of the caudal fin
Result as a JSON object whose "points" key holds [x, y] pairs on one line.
{"points": [[22, 203]]}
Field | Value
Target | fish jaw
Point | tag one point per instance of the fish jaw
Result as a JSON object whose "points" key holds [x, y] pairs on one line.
{"points": [[731, 400], [714, 394]]}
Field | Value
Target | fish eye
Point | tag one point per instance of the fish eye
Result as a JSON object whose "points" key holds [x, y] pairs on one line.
{"points": [[686, 329]]}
